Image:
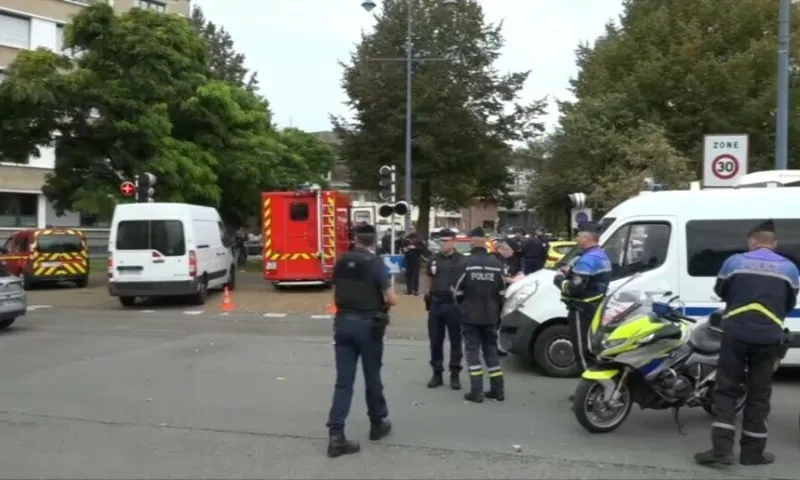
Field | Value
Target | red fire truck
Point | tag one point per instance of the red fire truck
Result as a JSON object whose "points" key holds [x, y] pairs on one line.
{"points": [[304, 232]]}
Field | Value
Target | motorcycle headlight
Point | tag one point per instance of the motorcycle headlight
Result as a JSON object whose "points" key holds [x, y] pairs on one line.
{"points": [[518, 298], [612, 343]]}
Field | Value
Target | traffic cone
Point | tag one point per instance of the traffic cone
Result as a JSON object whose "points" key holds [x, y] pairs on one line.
{"points": [[227, 301], [332, 309]]}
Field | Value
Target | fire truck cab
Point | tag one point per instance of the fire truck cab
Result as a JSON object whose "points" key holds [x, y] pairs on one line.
{"points": [[304, 231]]}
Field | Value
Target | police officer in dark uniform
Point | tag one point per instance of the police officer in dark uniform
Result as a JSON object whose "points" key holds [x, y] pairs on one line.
{"points": [[759, 289], [362, 295], [479, 291], [583, 286], [444, 315]]}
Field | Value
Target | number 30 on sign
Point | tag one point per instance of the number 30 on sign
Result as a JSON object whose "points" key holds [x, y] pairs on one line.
{"points": [[725, 159]]}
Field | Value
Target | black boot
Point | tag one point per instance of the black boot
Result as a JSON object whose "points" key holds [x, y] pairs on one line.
{"points": [[380, 430], [436, 380], [709, 457], [496, 389], [339, 445], [455, 382], [765, 458], [474, 396]]}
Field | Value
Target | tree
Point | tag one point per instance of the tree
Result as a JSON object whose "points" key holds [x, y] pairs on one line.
{"points": [[137, 99], [462, 123], [666, 74], [304, 156], [224, 62]]}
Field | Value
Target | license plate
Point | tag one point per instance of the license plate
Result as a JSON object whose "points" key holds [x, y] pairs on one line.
{"points": [[272, 266], [50, 264]]}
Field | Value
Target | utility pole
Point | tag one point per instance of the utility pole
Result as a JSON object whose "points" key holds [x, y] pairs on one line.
{"points": [[782, 110]]}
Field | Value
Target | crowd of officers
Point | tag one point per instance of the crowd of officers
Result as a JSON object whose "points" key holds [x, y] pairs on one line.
{"points": [[759, 289]]}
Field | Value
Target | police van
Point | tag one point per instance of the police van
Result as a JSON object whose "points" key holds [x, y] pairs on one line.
{"points": [[674, 241]]}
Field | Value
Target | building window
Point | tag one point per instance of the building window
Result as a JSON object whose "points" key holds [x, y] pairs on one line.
{"points": [[158, 6], [59, 38], [2, 75], [15, 31], [18, 209], [710, 242]]}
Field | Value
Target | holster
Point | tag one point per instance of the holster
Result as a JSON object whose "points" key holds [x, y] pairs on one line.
{"points": [[786, 343], [379, 323], [427, 299]]}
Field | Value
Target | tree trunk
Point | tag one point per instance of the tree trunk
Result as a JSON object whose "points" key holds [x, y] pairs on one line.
{"points": [[423, 221]]}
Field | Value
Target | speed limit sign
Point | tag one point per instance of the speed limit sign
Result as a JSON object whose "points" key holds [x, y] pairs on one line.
{"points": [[725, 159]]}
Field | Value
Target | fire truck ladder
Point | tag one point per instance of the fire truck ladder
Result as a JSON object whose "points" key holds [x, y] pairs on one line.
{"points": [[327, 225]]}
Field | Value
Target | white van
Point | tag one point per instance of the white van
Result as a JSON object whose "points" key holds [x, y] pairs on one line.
{"points": [[168, 249], [676, 241]]}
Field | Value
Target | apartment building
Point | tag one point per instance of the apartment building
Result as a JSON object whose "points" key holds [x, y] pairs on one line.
{"points": [[30, 24]]}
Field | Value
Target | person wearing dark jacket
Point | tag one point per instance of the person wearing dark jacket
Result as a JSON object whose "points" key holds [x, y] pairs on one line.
{"points": [[413, 248], [534, 255], [386, 243], [444, 315], [479, 291], [511, 267], [759, 289]]}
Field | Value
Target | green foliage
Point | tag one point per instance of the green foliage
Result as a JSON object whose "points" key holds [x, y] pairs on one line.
{"points": [[139, 98], [461, 121], [223, 61], [652, 86]]}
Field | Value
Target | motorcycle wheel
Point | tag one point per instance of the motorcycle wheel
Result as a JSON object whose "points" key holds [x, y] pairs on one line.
{"points": [[708, 402], [592, 412]]}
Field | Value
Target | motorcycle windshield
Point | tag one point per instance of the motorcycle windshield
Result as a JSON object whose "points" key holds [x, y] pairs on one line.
{"points": [[619, 308]]}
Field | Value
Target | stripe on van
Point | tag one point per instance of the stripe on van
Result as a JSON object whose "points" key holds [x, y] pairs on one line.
{"points": [[706, 311]]}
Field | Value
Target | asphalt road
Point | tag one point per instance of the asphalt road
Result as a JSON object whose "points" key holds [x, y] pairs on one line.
{"points": [[94, 394]]}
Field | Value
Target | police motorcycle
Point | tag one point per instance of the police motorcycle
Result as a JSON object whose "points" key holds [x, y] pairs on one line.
{"points": [[646, 352]]}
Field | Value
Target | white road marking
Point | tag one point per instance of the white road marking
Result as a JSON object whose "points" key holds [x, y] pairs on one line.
{"points": [[38, 307], [193, 312], [275, 315], [148, 311], [322, 316]]}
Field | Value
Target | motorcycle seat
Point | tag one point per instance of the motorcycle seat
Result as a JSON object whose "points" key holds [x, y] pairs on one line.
{"points": [[706, 339]]}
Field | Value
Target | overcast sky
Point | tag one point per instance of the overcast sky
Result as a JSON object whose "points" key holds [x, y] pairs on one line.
{"points": [[295, 46]]}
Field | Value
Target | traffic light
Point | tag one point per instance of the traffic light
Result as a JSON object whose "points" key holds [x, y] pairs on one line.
{"points": [[387, 183], [400, 208], [145, 187]]}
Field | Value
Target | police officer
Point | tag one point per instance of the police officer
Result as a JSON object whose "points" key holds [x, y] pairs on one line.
{"points": [[444, 315], [583, 286], [413, 248], [479, 291], [362, 295], [534, 255], [759, 289]]}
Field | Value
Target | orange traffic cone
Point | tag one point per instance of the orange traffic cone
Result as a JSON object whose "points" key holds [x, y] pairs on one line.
{"points": [[227, 301], [332, 309]]}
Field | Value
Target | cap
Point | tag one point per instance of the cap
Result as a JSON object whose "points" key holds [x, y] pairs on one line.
{"points": [[589, 227], [765, 226], [364, 229], [477, 232], [447, 233]]}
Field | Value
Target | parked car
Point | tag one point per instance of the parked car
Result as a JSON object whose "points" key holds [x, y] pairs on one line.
{"points": [[13, 300], [557, 251]]}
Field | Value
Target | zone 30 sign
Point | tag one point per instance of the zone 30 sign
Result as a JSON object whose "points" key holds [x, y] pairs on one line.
{"points": [[725, 158]]}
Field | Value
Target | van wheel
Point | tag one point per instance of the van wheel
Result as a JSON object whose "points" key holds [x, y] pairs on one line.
{"points": [[200, 297], [554, 353], [231, 285], [127, 301], [82, 282], [7, 323]]}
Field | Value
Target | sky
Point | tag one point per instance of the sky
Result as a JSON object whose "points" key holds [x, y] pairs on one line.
{"points": [[295, 45]]}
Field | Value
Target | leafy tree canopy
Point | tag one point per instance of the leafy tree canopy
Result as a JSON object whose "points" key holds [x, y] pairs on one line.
{"points": [[138, 97], [652, 86], [465, 112]]}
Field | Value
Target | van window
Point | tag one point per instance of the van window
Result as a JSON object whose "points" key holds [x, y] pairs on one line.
{"points": [[710, 242], [59, 243], [163, 236], [298, 212], [637, 247]]}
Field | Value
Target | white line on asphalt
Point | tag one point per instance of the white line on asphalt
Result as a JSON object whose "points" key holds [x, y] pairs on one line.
{"points": [[193, 312], [322, 316], [148, 311], [37, 307], [275, 315]]}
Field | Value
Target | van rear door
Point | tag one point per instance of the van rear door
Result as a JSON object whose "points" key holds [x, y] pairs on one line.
{"points": [[150, 251], [301, 234]]}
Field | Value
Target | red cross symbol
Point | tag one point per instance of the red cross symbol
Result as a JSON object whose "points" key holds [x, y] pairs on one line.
{"points": [[127, 189]]}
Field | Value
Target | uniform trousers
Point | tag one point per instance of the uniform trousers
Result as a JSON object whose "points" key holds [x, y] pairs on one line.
{"points": [[482, 339], [444, 320], [355, 336], [579, 319], [743, 364]]}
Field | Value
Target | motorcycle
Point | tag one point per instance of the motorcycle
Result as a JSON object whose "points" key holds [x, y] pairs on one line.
{"points": [[647, 353]]}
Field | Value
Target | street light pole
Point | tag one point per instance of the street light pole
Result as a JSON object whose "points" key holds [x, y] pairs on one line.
{"points": [[782, 110], [409, 108]]}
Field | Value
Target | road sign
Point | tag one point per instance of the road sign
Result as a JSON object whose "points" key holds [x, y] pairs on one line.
{"points": [[394, 264], [127, 189], [725, 159], [580, 215]]}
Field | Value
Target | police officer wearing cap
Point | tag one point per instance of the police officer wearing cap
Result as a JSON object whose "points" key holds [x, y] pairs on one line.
{"points": [[444, 315], [479, 291], [759, 289], [583, 285], [362, 295]]}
